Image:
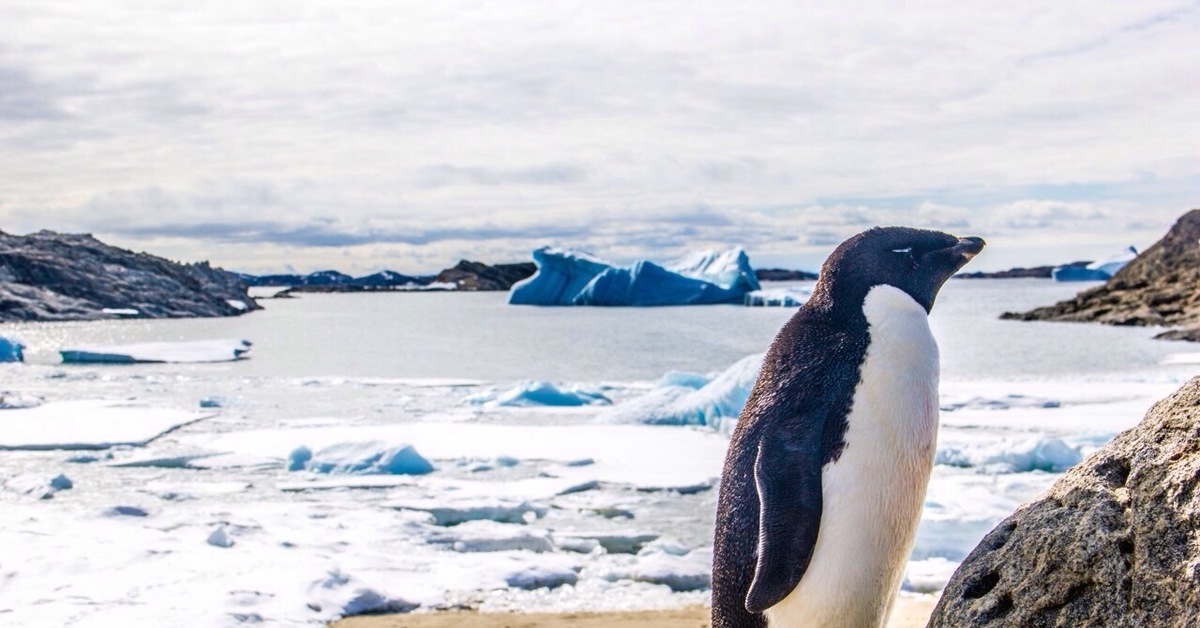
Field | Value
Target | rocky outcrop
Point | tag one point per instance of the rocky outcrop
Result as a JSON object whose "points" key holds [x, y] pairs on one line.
{"points": [[472, 276], [782, 274], [1114, 543], [55, 277], [1161, 287]]}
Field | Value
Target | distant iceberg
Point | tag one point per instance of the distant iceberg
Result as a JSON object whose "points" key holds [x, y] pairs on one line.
{"points": [[180, 352], [1100, 270], [778, 297], [566, 277]]}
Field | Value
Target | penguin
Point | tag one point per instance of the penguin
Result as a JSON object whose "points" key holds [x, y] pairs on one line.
{"points": [[826, 471]]}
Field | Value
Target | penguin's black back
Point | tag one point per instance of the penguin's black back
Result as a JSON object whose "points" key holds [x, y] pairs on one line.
{"points": [[806, 386]]}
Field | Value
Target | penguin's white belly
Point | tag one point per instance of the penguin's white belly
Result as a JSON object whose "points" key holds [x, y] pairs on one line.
{"points": [[874, 492]]}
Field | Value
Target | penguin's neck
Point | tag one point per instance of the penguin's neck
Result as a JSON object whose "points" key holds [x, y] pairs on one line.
{"points": [[903, 356]]}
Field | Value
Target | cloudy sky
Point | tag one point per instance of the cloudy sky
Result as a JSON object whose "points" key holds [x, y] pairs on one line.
{"points": [[364, 135]]}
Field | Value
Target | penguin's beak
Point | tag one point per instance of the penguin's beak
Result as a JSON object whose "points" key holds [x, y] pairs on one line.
{"points": [[969, 247]]}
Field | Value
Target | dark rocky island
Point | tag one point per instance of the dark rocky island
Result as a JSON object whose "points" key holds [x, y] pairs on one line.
{"points": [[1037, 272], [466, 276], [1113, 543], [782, 274], [1161, 287], [48, 276], [471, 276]]}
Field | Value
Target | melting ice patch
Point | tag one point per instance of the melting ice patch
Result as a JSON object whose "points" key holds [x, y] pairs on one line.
{"points": [[678, 401], [88, 425], [1012, 456], [540, 393], [224, 350], [998, 402]]}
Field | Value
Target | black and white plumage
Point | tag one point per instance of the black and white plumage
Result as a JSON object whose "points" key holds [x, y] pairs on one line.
{"points": [[826, 472]]}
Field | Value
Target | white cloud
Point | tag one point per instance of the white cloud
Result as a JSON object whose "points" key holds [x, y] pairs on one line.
{"points": [[265, 133]]}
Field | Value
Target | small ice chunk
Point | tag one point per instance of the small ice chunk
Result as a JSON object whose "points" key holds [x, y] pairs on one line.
{"points": [[612, 542], [690, 572], [341, 595], [664, 545], [11, 350], [369, 457], [539, 576], [210, 402], [88, 425], [219, 537], [125, 511], [38, 487]]}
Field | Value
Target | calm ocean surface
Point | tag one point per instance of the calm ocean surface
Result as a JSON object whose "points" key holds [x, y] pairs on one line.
{"points": [[480, 336]]}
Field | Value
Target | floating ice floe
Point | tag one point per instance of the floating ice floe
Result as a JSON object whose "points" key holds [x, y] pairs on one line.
{"points": [[11, 350], [613, 541], [88, 425], [778, 297], [1007, 456], [1002, 402], [540, 393], [224, 350], [491, 536], [688, 572], [339, 594], [453, 511], [715, 404], [639, 456], [370, 457], [566, 277], [37, 486]]}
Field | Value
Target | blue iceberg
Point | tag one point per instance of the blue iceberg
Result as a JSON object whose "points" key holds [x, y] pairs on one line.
{"points": [[566, 277], [11, 350], [1100, 270]]}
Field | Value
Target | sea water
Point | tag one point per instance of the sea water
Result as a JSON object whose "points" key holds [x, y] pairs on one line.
{"points": [[1021, 402]]}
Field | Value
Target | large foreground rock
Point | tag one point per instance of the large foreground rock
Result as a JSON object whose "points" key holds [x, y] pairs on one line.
{"points": [[1114, 543], [52, 276], [1161, 287]]}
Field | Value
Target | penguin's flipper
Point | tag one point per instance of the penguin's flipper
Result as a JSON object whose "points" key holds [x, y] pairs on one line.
{"points": [[789, 496]]}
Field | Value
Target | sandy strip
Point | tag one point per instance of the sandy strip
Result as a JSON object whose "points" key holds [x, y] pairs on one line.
{"points": [[912, 611]]}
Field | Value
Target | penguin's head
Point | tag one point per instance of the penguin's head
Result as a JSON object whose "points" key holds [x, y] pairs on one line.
{"points": [[917, 261]]}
